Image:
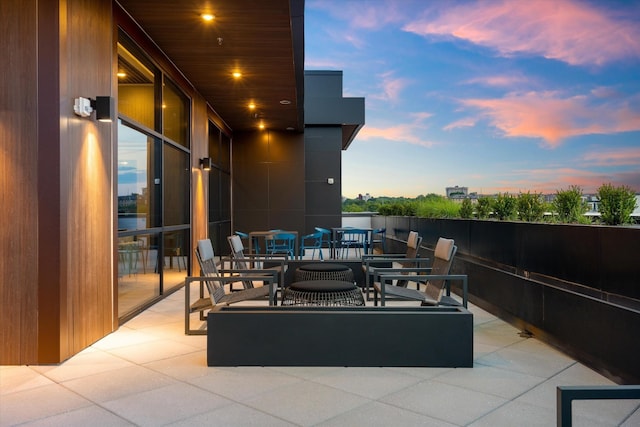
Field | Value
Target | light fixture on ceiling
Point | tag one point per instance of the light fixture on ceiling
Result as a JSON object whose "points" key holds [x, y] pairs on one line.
{"points": [[236, 74], [102, 105], [205, 163], [285, 102], [261, 126], [252, 106], [208, 17]]}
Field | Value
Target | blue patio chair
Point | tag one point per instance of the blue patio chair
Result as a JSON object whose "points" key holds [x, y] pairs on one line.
{"points": [[379, 235], [326, 237], [282, 243], [355, 239], [312, 241]]}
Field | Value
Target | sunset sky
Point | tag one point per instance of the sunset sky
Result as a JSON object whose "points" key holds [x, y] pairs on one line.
{"points": [[496, 95]]}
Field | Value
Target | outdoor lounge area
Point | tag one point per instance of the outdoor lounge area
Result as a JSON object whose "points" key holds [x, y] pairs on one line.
{"points": [[149, 372]]}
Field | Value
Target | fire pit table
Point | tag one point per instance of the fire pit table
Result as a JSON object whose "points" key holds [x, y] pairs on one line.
{"points": [[322, 293]]}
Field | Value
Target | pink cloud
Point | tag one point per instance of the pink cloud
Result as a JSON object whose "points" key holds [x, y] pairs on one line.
{"points": [[550, 116], [400, 133], [617, 157], [551, 180], [500, 81], [368, 15], [462, 123], [391, 88], [403, 133], [570, 31]]}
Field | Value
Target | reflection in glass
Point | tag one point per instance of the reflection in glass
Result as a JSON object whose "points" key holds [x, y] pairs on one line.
{"points": [[176, 258], [137, 198], [175, 108], [138, 281], [136, 85], [177, 174]]}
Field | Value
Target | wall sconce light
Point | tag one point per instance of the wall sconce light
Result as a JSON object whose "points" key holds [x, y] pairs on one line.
{"points": [[102, 105], [206, 163]]}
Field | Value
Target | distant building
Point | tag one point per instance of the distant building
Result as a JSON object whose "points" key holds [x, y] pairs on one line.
{"points": [[457, 192]]}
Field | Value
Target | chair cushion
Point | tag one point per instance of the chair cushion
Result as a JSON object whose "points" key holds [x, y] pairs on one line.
{"points": [[206, 249], [412, 240], [236, 244], [444, 249]]}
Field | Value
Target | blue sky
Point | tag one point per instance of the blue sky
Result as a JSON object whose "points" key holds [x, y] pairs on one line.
{"points": [[496, 96]]}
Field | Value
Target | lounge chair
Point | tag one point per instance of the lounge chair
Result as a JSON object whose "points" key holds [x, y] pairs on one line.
{"points": [[250, 262], [215, 281], [434, 282], [410, 259]]}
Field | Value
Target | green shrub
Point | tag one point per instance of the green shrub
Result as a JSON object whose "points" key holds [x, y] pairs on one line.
{"points": [[404, 208], [530, 207], [504, 207], [616, 204], [466, 209], [570, 206], [484, 207], [437, 207]]}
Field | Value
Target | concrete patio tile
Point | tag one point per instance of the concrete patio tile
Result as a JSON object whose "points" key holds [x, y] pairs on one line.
{"points": [[490, 380], [445, 402], [20, 378], [152, 351], [82, 365], [89, 416], [38, 403], [542, 361], [242, 383], [372, 383], [378, 414], [118, 383], [306, 403], [165, 405], [183, 367], [234, 415]]}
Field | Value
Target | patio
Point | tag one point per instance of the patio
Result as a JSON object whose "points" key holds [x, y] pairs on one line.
{"points": [[150, 373]]}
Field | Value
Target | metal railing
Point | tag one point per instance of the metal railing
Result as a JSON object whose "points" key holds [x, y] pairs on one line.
{"points": [[567, 394]]}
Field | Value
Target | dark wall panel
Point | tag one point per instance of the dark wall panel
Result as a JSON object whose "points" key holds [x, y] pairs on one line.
{"points": [[268, 181], [323, 160]]}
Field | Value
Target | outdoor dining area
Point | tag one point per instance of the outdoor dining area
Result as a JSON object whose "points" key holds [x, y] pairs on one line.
{"points": [[329, 288]]}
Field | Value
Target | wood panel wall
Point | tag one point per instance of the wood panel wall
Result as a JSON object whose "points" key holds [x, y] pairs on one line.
{"points": [[87, 52], [18, 182], [56, 275]]}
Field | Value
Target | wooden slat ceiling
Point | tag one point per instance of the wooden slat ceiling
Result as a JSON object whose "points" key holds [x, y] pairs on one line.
{"points": [[263, 39]]}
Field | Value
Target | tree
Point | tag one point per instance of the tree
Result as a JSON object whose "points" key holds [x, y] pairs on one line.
{"points": [[484, 207], [466, 210], [570, 206], [504, 206], [616, 204], [530, 207]]}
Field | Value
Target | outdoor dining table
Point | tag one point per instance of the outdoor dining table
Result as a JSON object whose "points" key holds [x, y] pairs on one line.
{"points": [[267, 233]]}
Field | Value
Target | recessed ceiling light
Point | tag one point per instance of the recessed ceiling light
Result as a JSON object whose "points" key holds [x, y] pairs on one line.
{"points": [[285, 102], [208, 17], [121, 74], [237, 74], [261, 126], [291, 128], [252, 106]]}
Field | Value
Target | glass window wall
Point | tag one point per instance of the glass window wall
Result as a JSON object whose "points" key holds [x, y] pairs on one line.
{"points": [[154, 180]]}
